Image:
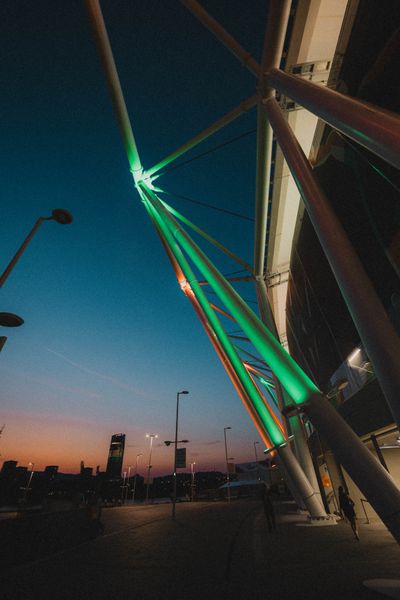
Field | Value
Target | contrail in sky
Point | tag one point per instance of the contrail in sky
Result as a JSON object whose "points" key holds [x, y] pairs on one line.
{"points": [[112, 380]]}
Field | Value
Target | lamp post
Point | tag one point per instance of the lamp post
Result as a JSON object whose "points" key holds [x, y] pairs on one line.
{"points": [[175, 449], [127, 485], [29, 481], [256, 455], [60, 215], [227, 465], [136, 474], [151, 436], [8, 320], [192, 480], [123, 487]]}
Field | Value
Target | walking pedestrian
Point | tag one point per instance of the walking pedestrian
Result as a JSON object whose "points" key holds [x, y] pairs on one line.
{"points": [[346, 505]]}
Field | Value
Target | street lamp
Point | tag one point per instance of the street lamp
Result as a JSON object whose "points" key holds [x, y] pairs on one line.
{"points": [[136, 474], [60, 215], [175, 448], [27, 489], [126, 485], [227, 466], [8, 320], [192, 480], [123, 487], [256, 455], [151, 436]]}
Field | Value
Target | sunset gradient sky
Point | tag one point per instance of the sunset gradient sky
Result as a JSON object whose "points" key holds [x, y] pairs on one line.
{"points": [[109, 338]]}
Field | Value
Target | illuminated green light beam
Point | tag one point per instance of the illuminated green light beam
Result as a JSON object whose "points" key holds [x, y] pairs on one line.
{"points": [[257, 401], [117, 96], [260, 363], [269, 385], [298, 385], [244, 106], [207, 237], [271, 399], [214, 340]]}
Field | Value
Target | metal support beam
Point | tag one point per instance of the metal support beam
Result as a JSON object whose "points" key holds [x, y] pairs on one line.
{"points": [[295, 425], [372, 479], [364, 469], [378, 451], [362, 466], [263, 170], [117, 96], [373, 128], [163, 218], [222, 35], [298, 385], [208, 237], [381, 342], [243, 107], [278, 16], [257, 408]]}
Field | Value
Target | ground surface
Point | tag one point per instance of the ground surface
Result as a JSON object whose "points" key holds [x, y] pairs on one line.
{"points": [[212, 551]]}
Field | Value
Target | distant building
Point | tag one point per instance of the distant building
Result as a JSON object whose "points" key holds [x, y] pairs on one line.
{"points": [[9, 466], [21, 469], [51, 471], [85, 472], [115, 456], [255, 471]]}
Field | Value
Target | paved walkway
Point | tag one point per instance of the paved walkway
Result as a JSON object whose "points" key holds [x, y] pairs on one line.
{"points": [[213, 551], [314, 562]]}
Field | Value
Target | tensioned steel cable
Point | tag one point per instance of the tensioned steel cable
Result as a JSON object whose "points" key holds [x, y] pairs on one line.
{"points": [[206, 205], [206, 152]]}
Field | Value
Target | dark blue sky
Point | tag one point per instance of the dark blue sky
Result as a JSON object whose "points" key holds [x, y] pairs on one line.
{"points": [[108, 337]]}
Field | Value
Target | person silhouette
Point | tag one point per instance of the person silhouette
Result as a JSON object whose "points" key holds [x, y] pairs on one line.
{"points": [[346, 505]]}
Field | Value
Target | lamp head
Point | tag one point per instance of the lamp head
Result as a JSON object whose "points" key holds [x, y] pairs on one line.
{"points": [[10, 320], [62, 216]]}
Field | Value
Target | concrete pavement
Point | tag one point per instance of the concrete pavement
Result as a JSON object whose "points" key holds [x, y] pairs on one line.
{"points": [[212, 551]]}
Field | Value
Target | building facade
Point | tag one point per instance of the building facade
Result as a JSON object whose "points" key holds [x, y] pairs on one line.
{"points": [[115, 456]]}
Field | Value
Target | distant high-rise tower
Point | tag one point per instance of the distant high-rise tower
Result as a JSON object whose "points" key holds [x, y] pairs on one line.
{"points": [[116, 456]]}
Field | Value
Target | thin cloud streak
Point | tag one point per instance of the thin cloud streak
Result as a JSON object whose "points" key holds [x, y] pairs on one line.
{"points": [[52, 384], [113, 380]]}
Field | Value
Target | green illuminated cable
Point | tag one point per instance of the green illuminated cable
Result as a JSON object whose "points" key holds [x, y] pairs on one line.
{"points": [[257, 401], [298, 385]]}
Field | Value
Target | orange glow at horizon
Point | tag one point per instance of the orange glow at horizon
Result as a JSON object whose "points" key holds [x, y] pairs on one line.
{"points": [[45, 439]]}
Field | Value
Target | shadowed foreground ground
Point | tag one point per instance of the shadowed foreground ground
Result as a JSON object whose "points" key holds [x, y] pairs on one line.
{"points": [[212, 551]]}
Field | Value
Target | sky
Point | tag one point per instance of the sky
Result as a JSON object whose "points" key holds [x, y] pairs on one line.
{"points": [[109, 338]]}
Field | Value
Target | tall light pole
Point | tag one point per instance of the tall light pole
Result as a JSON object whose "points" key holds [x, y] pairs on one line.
{"points": [[192, 480], [151, 436], [127, 485], [8, 320], [123, 487], [256, 455], [31, 464], [175, 449], [227, 466], [136, 474], [60, 215]]}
